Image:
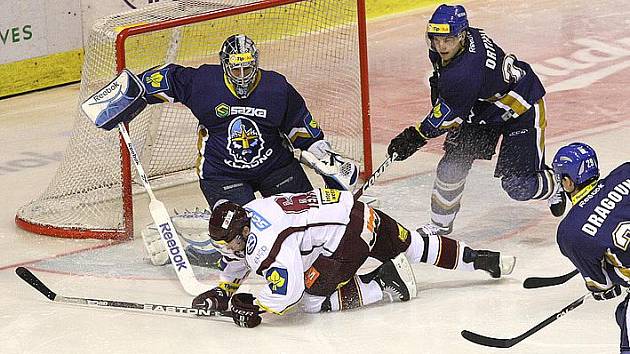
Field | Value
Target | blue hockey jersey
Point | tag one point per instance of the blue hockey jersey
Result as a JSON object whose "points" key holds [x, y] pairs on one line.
{"points": [[595, 234], [480, 85], [237, 138]]}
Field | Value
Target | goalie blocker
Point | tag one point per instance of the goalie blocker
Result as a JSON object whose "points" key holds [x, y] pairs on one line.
{"points": [[118, 102]]}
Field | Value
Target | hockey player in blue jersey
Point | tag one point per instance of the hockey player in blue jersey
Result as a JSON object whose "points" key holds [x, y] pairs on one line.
{"points": [[595, 233], [479, 94], [246, 118]]}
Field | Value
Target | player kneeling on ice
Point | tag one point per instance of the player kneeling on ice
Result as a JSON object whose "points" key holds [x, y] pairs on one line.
{"points": [[594, 233], [309, 246]]}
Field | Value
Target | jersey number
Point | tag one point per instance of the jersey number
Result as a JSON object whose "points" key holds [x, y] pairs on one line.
{"points": [[511, 72], [297, 203], [621, 235]]}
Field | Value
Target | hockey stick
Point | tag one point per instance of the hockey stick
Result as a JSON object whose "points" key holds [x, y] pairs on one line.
{"points": [[171, 310], [540, 282], [509, 342], [165, 227], [370, 181]]}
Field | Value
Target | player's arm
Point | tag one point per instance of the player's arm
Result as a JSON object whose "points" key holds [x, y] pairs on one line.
{"points": [[284, 288], [307, 138], [169, 83], [597, 273], [233, 272], [127, 95], [449, 111]]}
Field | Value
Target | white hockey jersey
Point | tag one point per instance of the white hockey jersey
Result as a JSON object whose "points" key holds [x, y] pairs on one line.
{"points": [[288, 233]]}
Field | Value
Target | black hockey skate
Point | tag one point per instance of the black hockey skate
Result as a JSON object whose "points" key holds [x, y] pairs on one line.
{"points": [[557, 202], [395, 277], [490, 261]]}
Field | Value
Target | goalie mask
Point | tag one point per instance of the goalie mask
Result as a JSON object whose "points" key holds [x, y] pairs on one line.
{"points": [[226, 227], [239, 59]]}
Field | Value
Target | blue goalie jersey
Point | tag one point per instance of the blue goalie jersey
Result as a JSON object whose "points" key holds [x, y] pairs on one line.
{"points": [[481, 85], [237, 138], [595, 234]]}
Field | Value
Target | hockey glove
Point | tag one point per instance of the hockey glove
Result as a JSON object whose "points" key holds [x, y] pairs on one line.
{"points": [[607, 294], [406, 143], [244, 312], [213, 299], [337, 171]]}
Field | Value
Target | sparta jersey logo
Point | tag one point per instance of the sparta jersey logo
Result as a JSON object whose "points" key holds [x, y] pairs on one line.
{"points": [[245, 144]]}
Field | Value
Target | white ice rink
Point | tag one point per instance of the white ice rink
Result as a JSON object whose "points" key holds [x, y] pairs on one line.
{"points": [[586, 102]]}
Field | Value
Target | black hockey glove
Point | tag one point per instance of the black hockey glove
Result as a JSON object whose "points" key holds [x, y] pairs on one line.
{"points": [[433, 83], [607, 294], [244, 312], [213, 299], [406, 143]]}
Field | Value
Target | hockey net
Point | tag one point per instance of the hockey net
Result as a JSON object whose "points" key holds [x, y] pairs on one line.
{"points": [[319, 45]]}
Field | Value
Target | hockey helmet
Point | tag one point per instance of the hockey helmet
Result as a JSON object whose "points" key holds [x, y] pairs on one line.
{"points": [[578, 161], [239, 59], [226, 223], [447, 21]]}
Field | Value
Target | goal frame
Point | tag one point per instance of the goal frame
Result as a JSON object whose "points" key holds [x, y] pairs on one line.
{"points": [[127, 232]]}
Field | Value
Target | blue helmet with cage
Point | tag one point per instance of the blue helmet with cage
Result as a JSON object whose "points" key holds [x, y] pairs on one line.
{"points": [[578, 161], [447, 21]]}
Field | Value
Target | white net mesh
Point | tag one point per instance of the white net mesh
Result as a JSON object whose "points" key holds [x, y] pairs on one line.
{"points": [[313, 43]]}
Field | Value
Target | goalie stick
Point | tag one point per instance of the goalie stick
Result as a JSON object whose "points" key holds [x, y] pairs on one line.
{"points": [[509, 342], [170, 310], [164, 224], [372, 179], [540, 282]]}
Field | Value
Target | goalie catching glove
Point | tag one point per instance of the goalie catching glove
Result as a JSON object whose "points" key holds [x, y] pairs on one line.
{"points": [[337, 171], [118, 102]]}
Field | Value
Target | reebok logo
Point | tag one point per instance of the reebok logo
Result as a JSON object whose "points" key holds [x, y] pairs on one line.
{"points": [[173, 248]]}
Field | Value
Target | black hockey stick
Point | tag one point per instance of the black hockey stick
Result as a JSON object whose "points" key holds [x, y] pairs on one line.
{"points": [[370, 181], [171, 310], [509, 342], [539, 282]]}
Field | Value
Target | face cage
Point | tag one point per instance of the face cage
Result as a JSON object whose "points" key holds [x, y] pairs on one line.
{"points": [[241, 83]]}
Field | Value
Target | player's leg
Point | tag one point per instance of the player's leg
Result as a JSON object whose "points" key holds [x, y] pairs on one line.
{"points": [[238, 191], [288, 179], [331, 282], [621, 315], [462, 147], [521, 162], [440, 251]]}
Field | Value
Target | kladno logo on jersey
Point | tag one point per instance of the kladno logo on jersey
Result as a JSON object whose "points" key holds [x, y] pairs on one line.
{"points": [[278, 280], [245, 144], [156, 81]]}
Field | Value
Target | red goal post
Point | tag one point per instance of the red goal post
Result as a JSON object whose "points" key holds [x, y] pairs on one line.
{"points": [[319, 45]]}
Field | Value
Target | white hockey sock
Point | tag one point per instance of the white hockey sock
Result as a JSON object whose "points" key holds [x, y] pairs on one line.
{"points": [[441, 251]]}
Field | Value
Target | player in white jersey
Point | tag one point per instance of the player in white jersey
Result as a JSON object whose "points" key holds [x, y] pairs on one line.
{"points": [[309, 246]]}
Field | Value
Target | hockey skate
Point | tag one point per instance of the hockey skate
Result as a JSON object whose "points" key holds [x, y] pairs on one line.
{"points": [[433, 229], [491, 262], [396, 278], [558, 201]]}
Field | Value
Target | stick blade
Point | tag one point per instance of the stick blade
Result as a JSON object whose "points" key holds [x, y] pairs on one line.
{"points": [[488, 341], [540, 282], [33, 281]]}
